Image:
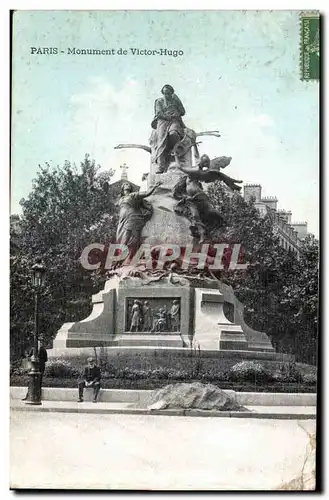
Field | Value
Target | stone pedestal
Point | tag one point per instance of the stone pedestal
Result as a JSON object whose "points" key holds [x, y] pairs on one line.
{"points": [[202, 318]]}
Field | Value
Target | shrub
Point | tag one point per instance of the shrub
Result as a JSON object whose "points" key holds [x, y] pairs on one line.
{"points": [[60, 368], [160, 373], [291, 373], [17, 368], [309, 378], [174, 374], [249, 371], [279, 377], [212, 374]]}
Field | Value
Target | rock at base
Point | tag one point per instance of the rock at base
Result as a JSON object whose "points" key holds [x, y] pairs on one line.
{"points": [[192, 396]]}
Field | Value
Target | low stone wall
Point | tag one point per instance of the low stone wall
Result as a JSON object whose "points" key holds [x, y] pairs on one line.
{"points": [[141, 396]]}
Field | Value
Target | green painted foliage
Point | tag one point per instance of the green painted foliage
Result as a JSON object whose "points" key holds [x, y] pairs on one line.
{"points": [[67, 209], [280, 293]]}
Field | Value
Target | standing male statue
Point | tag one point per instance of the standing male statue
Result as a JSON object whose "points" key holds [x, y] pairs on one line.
{"points": [[136, 316], [168, 127], [147, 317], [175, 316]]}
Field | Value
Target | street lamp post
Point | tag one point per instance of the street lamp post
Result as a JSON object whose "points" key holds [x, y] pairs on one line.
{"points": [[34, 390]]}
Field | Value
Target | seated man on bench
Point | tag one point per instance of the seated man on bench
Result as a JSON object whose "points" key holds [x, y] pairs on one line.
{"points": [[91, 378]]}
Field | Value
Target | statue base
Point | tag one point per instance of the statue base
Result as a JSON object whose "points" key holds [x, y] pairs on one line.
{"points": [[210, 323]]}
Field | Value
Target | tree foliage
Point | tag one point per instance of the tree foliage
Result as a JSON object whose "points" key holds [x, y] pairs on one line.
{"points": [[67, 209]]}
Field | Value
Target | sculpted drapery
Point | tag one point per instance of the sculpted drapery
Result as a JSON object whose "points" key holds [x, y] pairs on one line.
{"points": [[134, 212], [168, 126]]}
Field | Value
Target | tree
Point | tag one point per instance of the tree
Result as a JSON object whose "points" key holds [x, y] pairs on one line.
{"points": [[67, 209], [301, 296], [280, 292]]}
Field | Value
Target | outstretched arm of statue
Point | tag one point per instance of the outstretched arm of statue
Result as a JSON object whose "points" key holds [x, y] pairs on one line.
{"points": [[214, 133], [150, 191], [137, 146]]}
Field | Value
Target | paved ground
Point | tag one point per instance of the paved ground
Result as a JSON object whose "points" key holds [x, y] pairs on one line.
{"points": [[303, 412], [64, 450]]}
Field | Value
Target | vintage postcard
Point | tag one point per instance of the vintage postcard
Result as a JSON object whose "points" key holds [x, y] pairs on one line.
{"points": [[164, 250]]}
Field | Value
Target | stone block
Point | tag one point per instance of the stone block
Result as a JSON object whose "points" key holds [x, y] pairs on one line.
{"points": [[212, 328], [257, 341], [232, 337], [206, 332], [155, 340]]}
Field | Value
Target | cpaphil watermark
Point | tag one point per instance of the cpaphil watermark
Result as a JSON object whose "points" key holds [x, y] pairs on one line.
{"points": [[310, 45], [214, 257]]}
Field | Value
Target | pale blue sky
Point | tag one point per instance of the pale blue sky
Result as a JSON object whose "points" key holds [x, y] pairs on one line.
{"points": [[239, 74]]}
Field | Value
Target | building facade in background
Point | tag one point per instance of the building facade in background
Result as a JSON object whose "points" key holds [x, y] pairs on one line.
{"points": [[290, 234]]}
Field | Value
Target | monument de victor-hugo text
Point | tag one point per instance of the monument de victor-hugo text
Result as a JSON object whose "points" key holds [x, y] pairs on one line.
{"points": [[163, 292]]}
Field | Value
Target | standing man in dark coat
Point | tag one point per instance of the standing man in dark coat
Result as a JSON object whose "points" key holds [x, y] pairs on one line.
{"points": [[43, 358], [91, 378]]}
